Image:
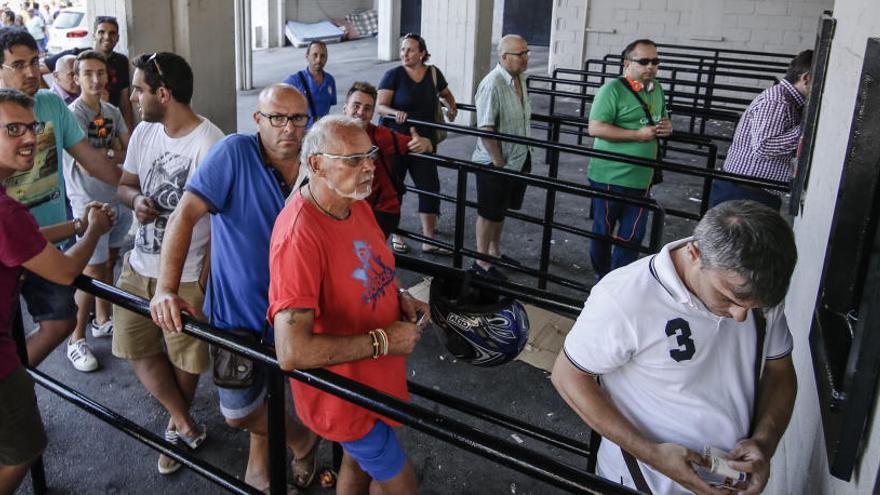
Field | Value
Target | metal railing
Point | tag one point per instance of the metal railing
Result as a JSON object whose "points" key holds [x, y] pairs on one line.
{"points": [[454, 432]]}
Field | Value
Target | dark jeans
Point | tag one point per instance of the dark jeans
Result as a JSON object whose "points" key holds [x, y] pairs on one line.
{"points": [[723, 190], [630, 221]]}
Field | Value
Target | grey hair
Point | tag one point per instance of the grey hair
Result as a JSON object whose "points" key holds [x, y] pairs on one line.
{"points": [[318, 135], [15, 96], [753, 241]]}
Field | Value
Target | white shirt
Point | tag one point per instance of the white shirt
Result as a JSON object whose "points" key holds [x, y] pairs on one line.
{"points": [[163, 166], [678, 372]]}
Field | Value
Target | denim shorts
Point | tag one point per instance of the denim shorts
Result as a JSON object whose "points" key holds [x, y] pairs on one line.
{"points": [[236, 403], [378, 452], [47, 300]]}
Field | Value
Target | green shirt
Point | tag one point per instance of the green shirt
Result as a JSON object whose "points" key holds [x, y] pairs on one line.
{"points": [[616, 105]]}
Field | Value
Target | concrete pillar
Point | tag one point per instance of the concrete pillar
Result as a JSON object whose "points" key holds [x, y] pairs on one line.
{"points": [[568, 44], [388, 45], [279, 21], [200, 31], [244, 61], [458, 34], [260, 21]]}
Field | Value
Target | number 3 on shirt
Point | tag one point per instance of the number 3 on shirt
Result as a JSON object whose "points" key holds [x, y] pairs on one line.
{"points": [[682, 331]]}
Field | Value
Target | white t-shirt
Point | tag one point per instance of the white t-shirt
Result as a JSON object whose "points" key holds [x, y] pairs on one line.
{"points": [[164, 165], [678, 372]]}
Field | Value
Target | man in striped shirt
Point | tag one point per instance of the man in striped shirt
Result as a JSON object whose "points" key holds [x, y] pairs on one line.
{"points": [[767, 137]]}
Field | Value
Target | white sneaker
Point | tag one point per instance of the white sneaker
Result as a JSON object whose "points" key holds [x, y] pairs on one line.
{"points": [[103, 330], [80, 355]]}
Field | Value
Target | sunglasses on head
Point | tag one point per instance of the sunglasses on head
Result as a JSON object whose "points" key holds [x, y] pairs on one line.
{"points": [[646, 61]]}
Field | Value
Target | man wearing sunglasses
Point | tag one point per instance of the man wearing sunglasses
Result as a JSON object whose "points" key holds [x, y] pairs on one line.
{"points": [[164, 151], [106, 31], [335, 304], [243, 184], [628, 115], [41, 188]]}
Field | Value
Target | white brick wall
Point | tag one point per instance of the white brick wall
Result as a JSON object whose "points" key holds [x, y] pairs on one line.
{"points": [[783, 26]]}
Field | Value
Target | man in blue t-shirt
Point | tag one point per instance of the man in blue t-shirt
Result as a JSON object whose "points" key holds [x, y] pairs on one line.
{"points": [[242, 183], [318, 86], [42, 190]]}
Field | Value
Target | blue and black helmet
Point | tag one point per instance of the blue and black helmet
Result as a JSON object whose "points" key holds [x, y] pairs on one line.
{"points": [[478, 326]]}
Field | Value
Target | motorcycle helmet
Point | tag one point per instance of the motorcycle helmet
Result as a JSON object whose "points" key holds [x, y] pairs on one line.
{"points": [[478, 326]]}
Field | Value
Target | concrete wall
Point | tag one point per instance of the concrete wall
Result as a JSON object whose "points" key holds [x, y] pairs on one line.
{"points": [[465, 55], [201, 32], [785, 26], [801, 465], [323, 10]]}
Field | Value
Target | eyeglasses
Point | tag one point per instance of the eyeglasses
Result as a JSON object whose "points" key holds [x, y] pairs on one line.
{"points": [[646, 61], [280, 120], [524, 53], [18, 129], [353, 160], [155, 59], [21, 65]]}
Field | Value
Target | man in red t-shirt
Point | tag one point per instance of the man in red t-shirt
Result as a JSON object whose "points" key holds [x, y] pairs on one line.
{"points": [[335, 304], [24, 245], [360, 103]]}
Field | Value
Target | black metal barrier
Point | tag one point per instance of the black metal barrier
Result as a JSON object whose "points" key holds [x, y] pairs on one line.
{"points": [[718, 55], [449, 430]]}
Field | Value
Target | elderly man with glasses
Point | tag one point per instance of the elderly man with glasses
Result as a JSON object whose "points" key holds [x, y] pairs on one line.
{"points": [[243, 184], [628, 115], [334, 301], [164, 152]]}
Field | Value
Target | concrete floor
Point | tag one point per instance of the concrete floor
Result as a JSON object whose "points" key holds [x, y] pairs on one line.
{"points": [[87, 457]]}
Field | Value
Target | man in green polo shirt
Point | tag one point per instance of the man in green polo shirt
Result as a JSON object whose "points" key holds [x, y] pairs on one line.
{"points": [[620, 124]]}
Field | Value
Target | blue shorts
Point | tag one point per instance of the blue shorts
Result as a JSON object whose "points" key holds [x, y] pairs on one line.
{"points": [[236, 403], [47, 300], [378, 452]]}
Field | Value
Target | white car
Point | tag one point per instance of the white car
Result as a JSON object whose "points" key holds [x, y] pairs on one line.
{"points": [[70, 29]]}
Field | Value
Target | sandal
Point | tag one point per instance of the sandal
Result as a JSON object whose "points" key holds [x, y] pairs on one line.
{"points": [[305, 468], [166, 464], [399, 247], [432, 249]]}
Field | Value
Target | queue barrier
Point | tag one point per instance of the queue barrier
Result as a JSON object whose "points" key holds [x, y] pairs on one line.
{"points": [[452, 431]]}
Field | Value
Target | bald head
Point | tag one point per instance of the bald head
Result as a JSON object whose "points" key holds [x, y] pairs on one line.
{"points": [[279, 93], [510, 43], [63, 74]]}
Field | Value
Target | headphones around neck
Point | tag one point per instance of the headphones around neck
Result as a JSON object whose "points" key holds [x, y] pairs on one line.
{"points": [[637, 86]]}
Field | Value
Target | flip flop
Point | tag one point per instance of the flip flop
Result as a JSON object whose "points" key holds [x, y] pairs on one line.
{"points": [[431, 249], [305, 468], [400, 247]]}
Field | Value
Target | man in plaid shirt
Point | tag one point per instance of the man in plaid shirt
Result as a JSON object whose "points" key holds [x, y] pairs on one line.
{"points": [[767, 137]]}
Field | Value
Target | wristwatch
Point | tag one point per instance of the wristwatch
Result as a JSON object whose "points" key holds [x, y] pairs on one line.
{"points": [[78, 227], [110, 153]]}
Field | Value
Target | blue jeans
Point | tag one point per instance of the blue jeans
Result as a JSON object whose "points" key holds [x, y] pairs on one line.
{"points": [[723, 190], [630, 221]]}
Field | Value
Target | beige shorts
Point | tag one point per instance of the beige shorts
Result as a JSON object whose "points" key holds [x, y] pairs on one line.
{"points": [[136, 337]]}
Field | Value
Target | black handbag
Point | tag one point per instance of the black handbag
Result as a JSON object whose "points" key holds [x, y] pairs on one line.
{"points": [[230, 369]]}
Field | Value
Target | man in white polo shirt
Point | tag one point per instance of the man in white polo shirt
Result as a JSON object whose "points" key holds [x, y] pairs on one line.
{"points": [[693, 350]]}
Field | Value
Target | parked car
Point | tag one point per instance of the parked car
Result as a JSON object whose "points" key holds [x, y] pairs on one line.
{"points": [[70, 29]]}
